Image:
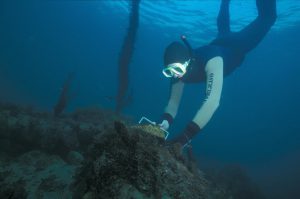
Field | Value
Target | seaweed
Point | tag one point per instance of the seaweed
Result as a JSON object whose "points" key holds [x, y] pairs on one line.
{"points": [[64, 97], [125, 57]]}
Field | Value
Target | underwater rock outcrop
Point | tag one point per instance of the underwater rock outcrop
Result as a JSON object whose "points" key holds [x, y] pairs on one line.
{"points": [[234, 179], [35, 174], [134, 163], [23, 129], [94, 153]]}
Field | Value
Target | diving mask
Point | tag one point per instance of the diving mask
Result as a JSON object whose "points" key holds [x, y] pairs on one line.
{"points": [[176, 69]]}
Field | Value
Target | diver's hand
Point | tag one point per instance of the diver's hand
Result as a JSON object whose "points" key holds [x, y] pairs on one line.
{"points": [[164, 125]]}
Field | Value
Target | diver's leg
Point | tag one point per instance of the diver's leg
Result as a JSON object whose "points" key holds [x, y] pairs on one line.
{"points": [[223, 20], [251, 35]]}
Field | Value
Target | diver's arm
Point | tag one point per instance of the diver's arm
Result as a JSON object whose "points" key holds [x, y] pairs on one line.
{"points": [[214, 83], [171, 109]]}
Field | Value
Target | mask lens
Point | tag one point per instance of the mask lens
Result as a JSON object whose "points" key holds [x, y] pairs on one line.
{"points": [[167, 72], [178, 70]]}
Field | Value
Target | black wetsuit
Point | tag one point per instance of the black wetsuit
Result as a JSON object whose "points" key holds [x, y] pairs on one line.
{"points": [[232, 46]]}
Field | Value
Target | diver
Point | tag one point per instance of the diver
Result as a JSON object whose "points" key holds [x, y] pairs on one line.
{"points": [[210, 64]]}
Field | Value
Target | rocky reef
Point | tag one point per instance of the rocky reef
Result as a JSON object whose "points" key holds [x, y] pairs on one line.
{"points": [[94, 153]]}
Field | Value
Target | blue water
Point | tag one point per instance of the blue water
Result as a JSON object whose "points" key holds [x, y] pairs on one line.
{"points": [[257, 123]]}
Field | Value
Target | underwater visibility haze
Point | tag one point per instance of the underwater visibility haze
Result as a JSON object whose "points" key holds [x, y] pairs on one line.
{"points": [[94, 68]]}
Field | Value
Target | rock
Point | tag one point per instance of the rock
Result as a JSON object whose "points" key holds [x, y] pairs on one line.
{"points": [[39, 155], [75, 158], [129, 163]]}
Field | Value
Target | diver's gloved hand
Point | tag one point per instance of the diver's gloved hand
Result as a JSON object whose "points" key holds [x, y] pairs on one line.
{"points": [[165, 121], [164, 125], [186, 136], [181, 139]]}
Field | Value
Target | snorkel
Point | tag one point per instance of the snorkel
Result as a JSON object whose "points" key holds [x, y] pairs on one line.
{"points": [[188, 45]]}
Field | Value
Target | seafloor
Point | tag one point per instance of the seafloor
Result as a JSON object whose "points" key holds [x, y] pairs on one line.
{"points": [[94, 153]]}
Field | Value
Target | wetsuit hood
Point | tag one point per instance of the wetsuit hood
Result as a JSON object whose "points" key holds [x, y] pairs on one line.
{"points": [[176, 52]]}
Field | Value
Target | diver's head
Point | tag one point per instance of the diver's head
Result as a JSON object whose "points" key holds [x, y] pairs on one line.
{"points": [[176, 60]]}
